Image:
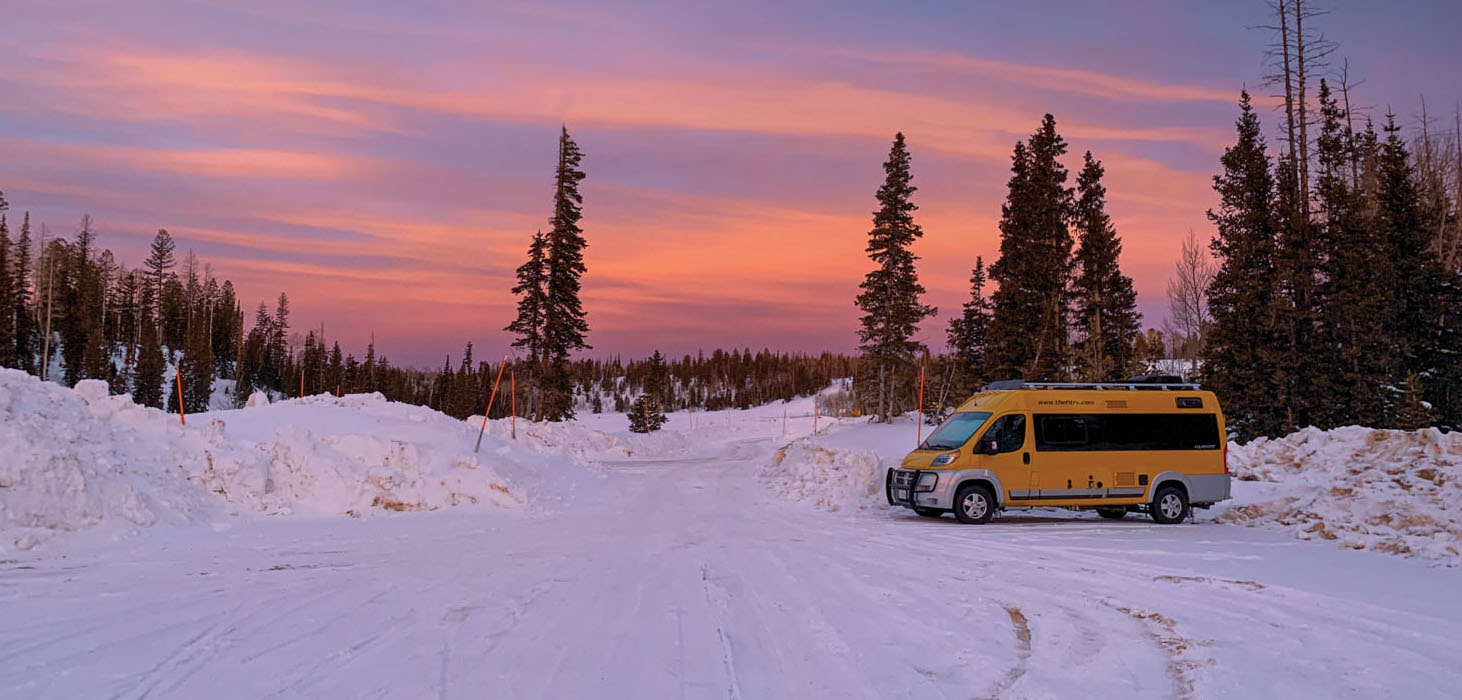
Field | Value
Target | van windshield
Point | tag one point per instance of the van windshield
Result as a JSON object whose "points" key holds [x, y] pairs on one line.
{"points": [[955, 431]]}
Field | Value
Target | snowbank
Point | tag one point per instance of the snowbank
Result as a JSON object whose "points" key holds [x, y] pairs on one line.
{"points": [[78, 459], [842, 466], [1387, 490], [830, 479]]}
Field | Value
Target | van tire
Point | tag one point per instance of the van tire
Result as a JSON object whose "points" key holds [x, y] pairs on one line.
{"points": [[1112, 513], [1170, 506], [928, 512], [974, 504]]}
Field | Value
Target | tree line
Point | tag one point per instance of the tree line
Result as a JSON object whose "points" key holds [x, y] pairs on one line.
{"points": [[1330, 294], [1062, 308], [70, 309], [1337, 293]]}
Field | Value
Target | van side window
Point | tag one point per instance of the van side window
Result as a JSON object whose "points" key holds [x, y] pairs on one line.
{"points": [[1115, 432], [1008, 432], [1065, 432]]}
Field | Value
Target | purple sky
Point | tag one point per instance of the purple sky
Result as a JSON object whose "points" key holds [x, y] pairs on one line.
{"points": [[385, 163]]}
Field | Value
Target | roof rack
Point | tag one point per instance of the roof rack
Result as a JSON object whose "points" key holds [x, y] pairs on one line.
{"points": [[1159, 383]]}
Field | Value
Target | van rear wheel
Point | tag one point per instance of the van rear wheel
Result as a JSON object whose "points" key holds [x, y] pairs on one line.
{"points": [[974, 505], [1170, 506]]}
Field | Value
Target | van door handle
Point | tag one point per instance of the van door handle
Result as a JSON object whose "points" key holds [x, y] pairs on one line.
{"points": [[1026, 456]]}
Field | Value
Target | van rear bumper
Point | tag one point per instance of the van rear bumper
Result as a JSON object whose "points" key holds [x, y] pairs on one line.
{"points": [[1207, 489]]}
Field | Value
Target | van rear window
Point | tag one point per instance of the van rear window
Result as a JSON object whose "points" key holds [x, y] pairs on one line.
{"points": [[1127, 431]]}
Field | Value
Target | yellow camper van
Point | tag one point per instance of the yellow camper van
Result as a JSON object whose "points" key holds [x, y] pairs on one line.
{"points": [[1149, 445]]}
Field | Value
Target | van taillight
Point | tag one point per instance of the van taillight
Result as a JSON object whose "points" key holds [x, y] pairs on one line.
{"points": [[1225, 457]]}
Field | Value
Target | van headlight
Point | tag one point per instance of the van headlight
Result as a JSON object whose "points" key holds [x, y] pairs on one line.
{"points": [[945, 459], [927, 481]]}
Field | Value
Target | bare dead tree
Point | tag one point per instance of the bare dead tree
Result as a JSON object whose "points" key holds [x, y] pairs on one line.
{"points": [[1188, 319], [1293, 59], [1350, 110]]}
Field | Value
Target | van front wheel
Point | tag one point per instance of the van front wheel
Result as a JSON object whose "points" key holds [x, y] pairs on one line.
{"points": [[974, 505], [1170, 506]]}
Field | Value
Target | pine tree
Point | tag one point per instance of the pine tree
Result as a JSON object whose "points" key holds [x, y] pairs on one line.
{"points": [[96, 358], [1354, 296], [1104, 301], [1241, 351], [1028, 326], [462, 400], [278, 346], [26, 333], [196, 366], [368, 369], [8, 356], [890, 297], [528, 326], [1412, 413], [1426, 326], [969, 337], [147, 383], [564, 321], [159, 264], [647, 415]]}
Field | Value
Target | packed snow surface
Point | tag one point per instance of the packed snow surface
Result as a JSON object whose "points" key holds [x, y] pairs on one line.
{"points": [[679, 564]]}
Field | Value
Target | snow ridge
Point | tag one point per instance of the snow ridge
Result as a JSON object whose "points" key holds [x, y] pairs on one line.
{"points": [[1388, 490]]}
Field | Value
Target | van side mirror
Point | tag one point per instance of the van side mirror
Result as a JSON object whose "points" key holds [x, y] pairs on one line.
{"points": [[988, 447]]}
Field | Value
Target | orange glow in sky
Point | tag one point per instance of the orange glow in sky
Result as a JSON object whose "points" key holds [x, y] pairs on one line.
{"points": [[386, 163]]}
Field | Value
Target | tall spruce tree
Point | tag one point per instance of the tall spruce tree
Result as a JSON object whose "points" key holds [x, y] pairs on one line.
{"points": [[1426, 326], [1354, 298], [969, 337], [528, 326], [1104, 303], [1028, 327], [26, 333], [648, 412], [8, 357], [564, 321], [159, 263], [462, 397], [197, 367], [890, 298], [147, 382], [1240, 355]]}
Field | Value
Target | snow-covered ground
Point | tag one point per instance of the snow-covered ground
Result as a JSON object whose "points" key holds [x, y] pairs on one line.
{"points": [[699, 562]]}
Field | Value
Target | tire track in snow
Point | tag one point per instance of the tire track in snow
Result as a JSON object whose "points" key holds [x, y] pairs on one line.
{"points": [[1162, 630], [1021, 628], [716, 598]]}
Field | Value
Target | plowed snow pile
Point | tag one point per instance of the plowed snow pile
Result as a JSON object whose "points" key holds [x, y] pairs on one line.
{"points": [[828, 478], [77, 459], [1388, 490]]}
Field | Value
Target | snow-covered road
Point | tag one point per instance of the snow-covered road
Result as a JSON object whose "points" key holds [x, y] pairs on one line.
{"points": [[687, 579]]}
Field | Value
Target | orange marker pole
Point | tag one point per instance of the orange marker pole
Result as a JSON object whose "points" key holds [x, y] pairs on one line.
{"points": [[513, 391], [490, 398], [178, 379], [302, 383], [921, 405]]}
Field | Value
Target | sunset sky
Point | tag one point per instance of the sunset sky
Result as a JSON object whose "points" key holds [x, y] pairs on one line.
{"points": [[385, 163]]}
